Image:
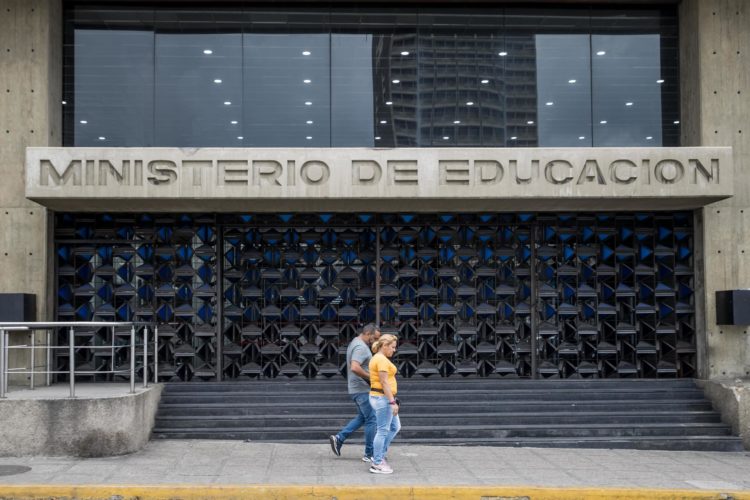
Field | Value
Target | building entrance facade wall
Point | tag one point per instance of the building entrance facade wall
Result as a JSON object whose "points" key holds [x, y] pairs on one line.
{"points": [[531, 295]]}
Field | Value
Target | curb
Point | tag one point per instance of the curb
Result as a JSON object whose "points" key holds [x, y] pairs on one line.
{"points": [[282, 492]]}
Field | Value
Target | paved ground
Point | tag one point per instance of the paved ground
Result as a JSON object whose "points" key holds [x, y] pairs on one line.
{"points": [[240, 463]]}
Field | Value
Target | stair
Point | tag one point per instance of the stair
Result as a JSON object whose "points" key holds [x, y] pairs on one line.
{"points": [[623, 413]]}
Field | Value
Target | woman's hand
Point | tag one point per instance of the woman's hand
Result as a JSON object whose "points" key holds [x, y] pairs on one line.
{"points": [[395, 410]]}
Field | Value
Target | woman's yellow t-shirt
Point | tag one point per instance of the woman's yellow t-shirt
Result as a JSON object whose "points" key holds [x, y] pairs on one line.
{"points": [[379, 363]]}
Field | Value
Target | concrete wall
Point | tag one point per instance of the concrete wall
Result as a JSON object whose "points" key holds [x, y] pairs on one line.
{"points": [[732, 398], [715, 93], [82, 427], [30, 115]]}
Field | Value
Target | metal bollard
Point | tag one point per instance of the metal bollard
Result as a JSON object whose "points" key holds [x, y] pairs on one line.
{"points": [[132, 359], [2, 364], [156, 354], [72, 361], [33, 348], [145, 357]]}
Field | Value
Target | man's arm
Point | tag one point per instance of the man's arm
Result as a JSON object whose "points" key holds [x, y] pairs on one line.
{"points": [[357, 369]]}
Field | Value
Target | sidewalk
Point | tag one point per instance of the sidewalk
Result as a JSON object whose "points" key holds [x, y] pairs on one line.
{"points": [[196, 469]]}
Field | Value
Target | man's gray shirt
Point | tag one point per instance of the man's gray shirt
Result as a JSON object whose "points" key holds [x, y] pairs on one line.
{"points": [[360, 352]]}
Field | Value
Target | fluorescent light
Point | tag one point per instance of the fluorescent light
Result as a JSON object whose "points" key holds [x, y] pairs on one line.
{"points": [[217, 80], [530, 122], [308, 103], [485, 82], [227, 103], [383, 122], [388, 103], [470, 103], [377, 138], [649, 138], [572, 81], [306, 53], [309, 122], [65, 102], [603, 122], [513, 138], [405, 53], [309, 137], [456, 122], [660, 81], [396, 81], [445, 137], [233, 122], [580, 137], [600, 53], [102, 138], [628, 104], [502, 54], [83, 122], [549, 103], [240, 137], [306, 81], [676, 122], [208, 52]]}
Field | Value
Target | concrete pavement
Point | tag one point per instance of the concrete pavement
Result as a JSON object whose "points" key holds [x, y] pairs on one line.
{"points": [[208, 465]]}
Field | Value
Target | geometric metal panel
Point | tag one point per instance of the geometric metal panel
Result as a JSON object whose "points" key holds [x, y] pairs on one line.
{"points": [[509, 295], [149, 268]]}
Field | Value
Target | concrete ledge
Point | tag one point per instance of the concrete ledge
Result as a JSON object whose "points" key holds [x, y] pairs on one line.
{"points": [[731, 397], [96, 425], [65, 492]]}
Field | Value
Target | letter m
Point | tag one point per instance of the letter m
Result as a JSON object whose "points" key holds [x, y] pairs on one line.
{"points": [[50, 172]]}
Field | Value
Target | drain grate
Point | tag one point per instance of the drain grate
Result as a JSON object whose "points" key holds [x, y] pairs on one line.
{"points": [[9, 470]]}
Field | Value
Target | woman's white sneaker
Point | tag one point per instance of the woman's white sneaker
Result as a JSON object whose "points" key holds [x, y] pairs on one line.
{"points": [[382, 468]]}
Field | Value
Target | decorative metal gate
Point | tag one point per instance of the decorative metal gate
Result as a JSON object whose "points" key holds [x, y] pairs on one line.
{"points": [[268, 295]]}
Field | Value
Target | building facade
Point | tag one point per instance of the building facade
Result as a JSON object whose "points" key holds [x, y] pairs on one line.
{"points": [[516, 190]]}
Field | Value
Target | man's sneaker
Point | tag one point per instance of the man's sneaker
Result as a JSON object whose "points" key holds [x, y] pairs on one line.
{"points": [[383, 468], [335, 445], [367, 459]]}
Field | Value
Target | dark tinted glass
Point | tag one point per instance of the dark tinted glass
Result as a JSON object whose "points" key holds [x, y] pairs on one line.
{"points": [[353, 77], [109, 91], [287, 90]]}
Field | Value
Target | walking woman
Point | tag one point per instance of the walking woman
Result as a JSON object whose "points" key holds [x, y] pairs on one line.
{"points": [[383, 389]]}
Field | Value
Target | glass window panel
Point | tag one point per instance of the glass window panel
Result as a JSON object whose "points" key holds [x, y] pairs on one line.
{"points": [[626, 91], [112, 101], [520, 91], [564, 90], [198, 89], [457, 109], [287, 90], [353, 119]]}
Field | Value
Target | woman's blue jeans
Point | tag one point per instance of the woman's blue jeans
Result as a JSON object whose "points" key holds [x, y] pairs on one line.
{"points": [[388, 426]]}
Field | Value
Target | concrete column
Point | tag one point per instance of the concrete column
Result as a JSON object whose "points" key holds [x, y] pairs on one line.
{"points": [[30, 115], [715, 95]]}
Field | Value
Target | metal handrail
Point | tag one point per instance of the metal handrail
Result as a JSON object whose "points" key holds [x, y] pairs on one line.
{"points": [[31, 326]]}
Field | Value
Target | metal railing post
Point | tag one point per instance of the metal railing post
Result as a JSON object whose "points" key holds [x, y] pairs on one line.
{"points": [[48, 352], [145, 356], [3, 368], [33, 348], [112, 353], [156, 354], [72, 361], [132, 359]]}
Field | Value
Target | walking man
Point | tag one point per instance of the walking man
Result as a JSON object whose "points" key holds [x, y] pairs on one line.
{"points": [[358, 356]]}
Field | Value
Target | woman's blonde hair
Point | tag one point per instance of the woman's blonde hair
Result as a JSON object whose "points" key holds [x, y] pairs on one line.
{"points": [[384, 340]]}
